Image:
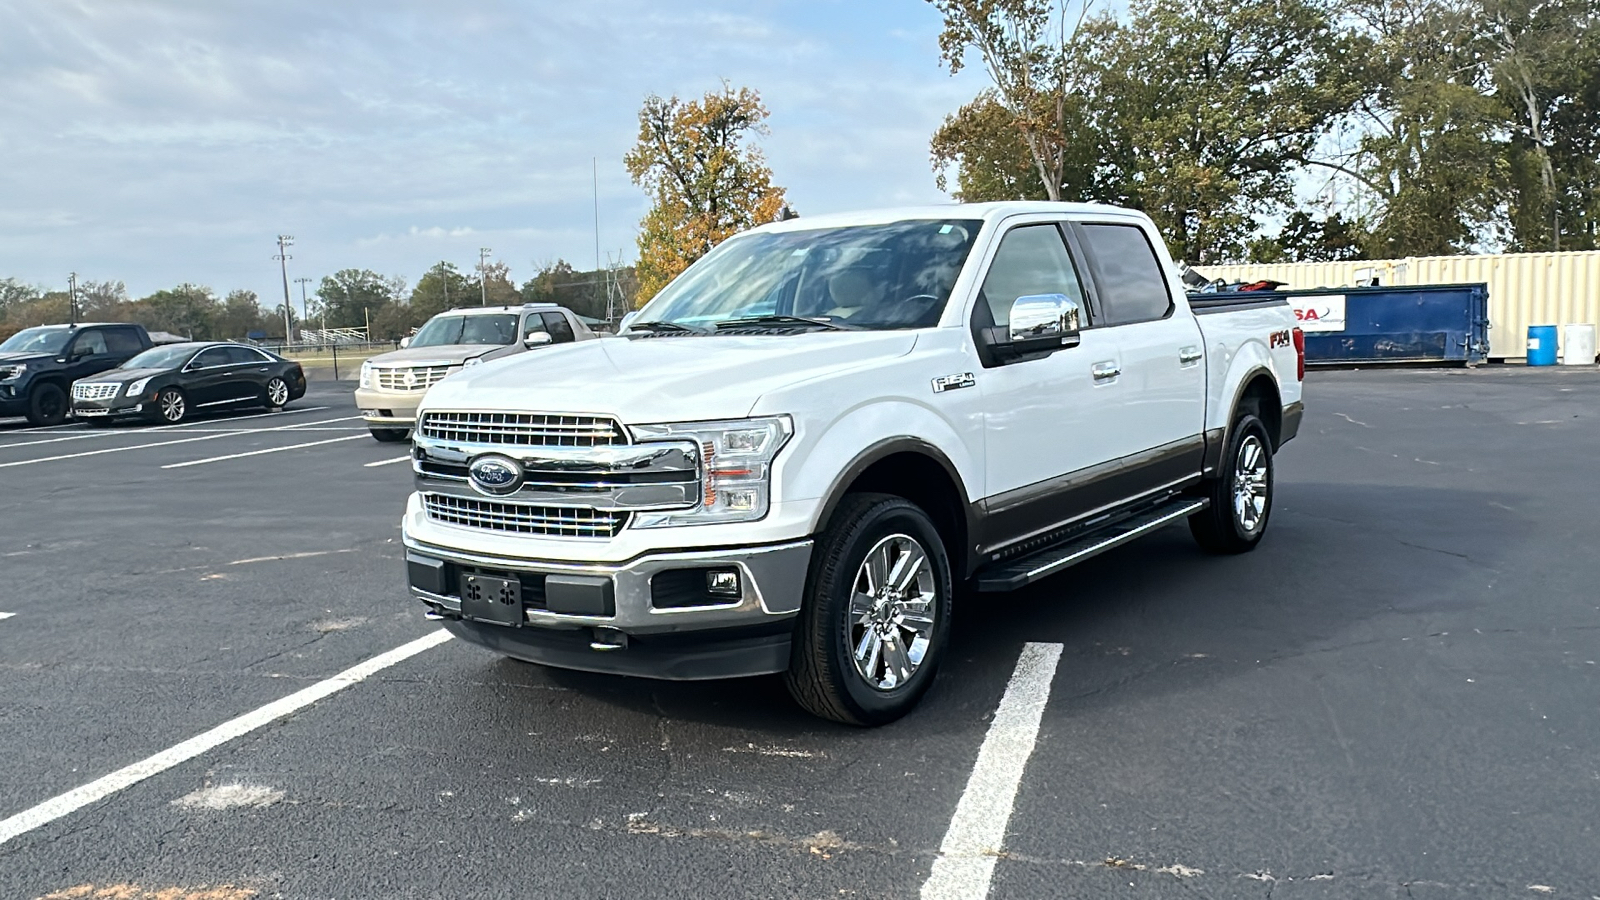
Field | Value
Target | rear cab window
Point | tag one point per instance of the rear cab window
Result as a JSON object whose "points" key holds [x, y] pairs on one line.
{"points": [[1131, 283]]}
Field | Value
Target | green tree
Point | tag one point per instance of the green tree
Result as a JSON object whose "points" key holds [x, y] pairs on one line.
{"points": [[347, 297], [1305, 238], [187, 310], [706, 178], [240, 314], [14, 293], [442, 287]]}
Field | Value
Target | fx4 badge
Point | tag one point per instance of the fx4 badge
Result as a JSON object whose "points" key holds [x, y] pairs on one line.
{"points": [[953, 382], [1280, 339]]}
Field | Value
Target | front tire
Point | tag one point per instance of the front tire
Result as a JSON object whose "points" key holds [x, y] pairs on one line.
{"points": [[388, 435], [876, 615], [47, 405], [172, 406], [1240, 495]]}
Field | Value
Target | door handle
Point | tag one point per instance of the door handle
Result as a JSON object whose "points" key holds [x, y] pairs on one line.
{"points": [[1189, 354], [264, 369], [1105, 371]]}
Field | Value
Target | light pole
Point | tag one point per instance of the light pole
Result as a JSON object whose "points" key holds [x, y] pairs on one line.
{"points": [[283, 257], [305, 311], [483, 274], [72, 297]]}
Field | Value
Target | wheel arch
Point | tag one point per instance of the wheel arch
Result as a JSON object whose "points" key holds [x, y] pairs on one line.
{"points": [[920, 473], [1257, 391]]}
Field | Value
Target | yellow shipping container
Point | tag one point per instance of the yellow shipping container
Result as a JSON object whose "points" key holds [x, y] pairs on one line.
{"points": [[1524, 288]]}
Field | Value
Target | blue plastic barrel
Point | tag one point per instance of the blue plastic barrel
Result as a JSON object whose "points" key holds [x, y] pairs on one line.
{"points": [[1542, 341]]}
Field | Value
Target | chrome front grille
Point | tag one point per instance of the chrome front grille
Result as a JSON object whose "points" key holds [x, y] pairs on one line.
{"points": [[519, 518], [95, 390], [410, 378], [521, 429]]}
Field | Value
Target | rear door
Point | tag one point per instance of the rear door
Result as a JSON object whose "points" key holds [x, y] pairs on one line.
{"points": [[1158, 380], [1047, 421], [251, 371], [88, 354]]}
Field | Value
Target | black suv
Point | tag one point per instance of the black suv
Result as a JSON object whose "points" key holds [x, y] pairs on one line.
{"points": [[39, 365]]}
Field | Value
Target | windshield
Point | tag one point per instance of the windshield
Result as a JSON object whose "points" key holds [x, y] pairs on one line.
{"points": [[160, 358], [897, 275], [38, 340], [481, 329]]}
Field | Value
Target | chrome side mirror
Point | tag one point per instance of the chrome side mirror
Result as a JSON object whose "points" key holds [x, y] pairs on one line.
{"points": [[1039, 317], [405, 342], [537, 339]]}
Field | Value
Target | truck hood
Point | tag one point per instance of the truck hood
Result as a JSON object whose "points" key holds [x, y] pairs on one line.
{"points": [[12, 357], [662, 379], [455, 354]]}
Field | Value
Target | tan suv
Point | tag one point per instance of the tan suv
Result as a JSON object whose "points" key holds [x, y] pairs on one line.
{"points": [[393, 384]]}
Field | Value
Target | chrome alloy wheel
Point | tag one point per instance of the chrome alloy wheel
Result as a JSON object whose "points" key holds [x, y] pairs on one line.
{"points": [[893, 603], [277, 392], [172, 406], [1250, 485]]}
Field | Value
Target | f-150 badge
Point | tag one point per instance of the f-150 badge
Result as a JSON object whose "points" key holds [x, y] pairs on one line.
{"points": [[952, 382]]}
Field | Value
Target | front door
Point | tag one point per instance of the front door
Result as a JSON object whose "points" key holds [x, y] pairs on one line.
{"points": [[209, 378], [1048, 454]]}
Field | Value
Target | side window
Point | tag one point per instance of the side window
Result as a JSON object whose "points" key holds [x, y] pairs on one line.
{"points": [[1032, 259], [122, 341], [1133, 286], [532, 325], [560, 328], [209, 359], [90, 343], [242, 356]]}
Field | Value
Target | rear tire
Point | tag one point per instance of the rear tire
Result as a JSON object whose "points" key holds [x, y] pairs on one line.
{"points": [[876, 613], [277, 396], [389, 435], [47, 405], [1240, 494]]}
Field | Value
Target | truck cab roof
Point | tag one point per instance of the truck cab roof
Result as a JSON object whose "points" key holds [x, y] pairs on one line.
{"points": [[982, 211]]}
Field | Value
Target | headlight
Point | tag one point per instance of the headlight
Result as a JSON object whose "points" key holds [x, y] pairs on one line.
{"points": [[736, 464], [135, 388], [366, 375], [9, 372], [475, 361]]}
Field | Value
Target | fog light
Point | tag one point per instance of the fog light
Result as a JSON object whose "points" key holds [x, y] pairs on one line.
{"points": [[723, 582]]}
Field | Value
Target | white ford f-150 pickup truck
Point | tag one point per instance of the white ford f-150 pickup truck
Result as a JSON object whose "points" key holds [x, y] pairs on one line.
{"points": [[796, 453]]}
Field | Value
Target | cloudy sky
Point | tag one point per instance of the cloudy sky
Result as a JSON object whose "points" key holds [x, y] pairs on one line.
{"points": [[160, 142]]}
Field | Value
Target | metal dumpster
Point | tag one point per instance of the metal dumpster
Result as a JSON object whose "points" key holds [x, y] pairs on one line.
{"points": [[1430, 323]]}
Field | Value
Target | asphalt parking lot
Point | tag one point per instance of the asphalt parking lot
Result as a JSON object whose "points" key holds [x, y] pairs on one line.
{"points": [[1397, 695]]}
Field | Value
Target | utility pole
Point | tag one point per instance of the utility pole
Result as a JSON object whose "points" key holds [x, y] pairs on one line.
{"points": [[483, 274], [594, 163], [305, 311], [283, 257], [72, 297]]}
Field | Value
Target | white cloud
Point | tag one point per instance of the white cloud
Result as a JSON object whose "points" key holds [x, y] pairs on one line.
{"points": [[160, 141]]}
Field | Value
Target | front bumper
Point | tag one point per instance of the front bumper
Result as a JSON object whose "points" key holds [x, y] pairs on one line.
{"points": [[117, 407], [637, 635], [388, 409]]}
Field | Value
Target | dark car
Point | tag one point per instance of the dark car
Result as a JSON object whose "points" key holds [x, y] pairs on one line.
{"points": [[166, 384], [38, 365]]}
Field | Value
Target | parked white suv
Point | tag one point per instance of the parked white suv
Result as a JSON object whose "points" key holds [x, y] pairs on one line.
{"points": [[806, 441], [392, 384]]}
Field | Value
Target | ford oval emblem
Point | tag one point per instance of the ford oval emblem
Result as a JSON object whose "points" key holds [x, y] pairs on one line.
{"points": [[495, 474]]}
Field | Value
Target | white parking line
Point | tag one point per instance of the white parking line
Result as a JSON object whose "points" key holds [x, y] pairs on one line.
{"points": [[209, 437], [184, 425], [201, 462], [967, 857], [386, 462], [101, 788], [6, 615]]}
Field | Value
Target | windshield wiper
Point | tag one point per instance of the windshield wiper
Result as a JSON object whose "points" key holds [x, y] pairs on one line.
{"points": [[668, 326], [788, 320]]}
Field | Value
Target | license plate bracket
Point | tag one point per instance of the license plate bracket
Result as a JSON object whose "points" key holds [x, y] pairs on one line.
{"points": [[486, 598]]}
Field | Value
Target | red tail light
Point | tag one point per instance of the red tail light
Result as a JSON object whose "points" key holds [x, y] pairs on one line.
{"points": [[1300, 355]]}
